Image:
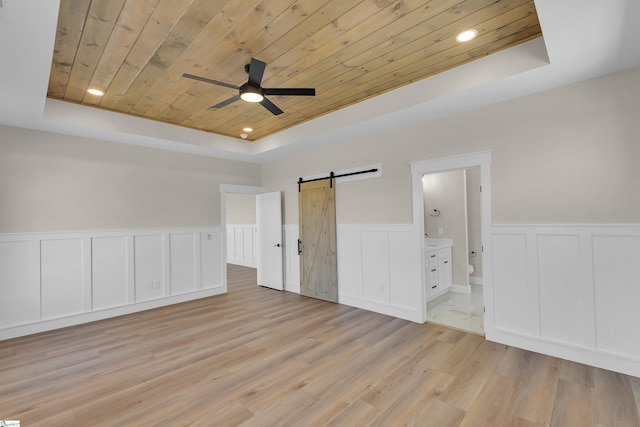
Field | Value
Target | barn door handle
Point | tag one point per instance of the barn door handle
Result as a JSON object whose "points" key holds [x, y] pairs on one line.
{"points": [[299, 246], [277, 245]]}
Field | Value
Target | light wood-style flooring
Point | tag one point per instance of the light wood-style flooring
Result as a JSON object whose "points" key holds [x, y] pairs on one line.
{"points": [[260, 357]]}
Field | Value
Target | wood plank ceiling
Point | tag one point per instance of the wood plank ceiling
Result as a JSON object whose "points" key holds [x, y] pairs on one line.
{"points": [[349, 50]]}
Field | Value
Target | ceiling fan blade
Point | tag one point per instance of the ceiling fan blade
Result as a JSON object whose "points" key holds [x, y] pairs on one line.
{"points": [[271, 107], [290, 91], [256, 71], [204, 79], [226, 102]]}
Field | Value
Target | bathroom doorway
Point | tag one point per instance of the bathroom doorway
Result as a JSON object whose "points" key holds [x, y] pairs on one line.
{"points": [[452, 235], [453, 249]]}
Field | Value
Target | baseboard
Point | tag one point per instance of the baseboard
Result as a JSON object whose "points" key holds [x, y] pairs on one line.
{"points": [[579, 354], [292, 287], [406, 313], [460, 289], [475, 280], [63, 322], [242, 263]]}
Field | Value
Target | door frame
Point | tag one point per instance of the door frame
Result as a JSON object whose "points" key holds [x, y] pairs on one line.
{"points": [[235, 189], [482, 160]]}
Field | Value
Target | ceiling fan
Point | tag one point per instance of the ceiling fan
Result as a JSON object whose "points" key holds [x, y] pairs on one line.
{"points": [[251, 91]]}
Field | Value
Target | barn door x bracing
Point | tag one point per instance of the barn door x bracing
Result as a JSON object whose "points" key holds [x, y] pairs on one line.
{"points": [[317, 244]]}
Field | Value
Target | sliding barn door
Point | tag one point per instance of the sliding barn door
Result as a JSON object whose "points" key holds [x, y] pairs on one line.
{"points": [[317, 246]]}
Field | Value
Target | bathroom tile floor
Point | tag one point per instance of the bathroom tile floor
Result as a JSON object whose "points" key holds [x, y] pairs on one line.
{"points": [[461, 311]]}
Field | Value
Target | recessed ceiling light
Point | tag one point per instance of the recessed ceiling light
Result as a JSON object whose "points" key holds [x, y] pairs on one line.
{"points": [[97, 92], [466, 35], [247, 129]]}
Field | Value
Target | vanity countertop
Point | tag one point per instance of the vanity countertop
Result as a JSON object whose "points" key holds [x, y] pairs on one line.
{"points": [[432, 243]]}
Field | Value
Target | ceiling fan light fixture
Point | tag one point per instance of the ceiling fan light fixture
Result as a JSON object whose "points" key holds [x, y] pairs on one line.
{"points": [[466, 35], [251, 94]]}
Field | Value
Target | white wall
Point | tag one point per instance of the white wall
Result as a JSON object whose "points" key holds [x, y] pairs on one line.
{"points": [[92, 229], [241, 208], [446, 192], [473, 223], [53, 182], [565, 156]]}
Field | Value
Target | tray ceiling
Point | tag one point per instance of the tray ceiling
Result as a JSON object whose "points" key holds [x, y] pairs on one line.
{"points": [[349, 50]]}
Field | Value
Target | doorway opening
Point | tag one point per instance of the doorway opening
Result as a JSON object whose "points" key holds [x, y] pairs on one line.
{"points": [[238, 219], [451, 196], [453, 249]]}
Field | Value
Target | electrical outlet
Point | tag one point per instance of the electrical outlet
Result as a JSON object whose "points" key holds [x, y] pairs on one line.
{"points": [[441, 231]]}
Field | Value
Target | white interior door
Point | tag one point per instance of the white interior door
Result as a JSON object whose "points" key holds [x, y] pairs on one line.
{"points": [[269, 224]]}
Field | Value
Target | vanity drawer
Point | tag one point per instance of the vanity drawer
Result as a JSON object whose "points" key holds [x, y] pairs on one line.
{"points": [[433, 286], [433, 270], [431, 256]]}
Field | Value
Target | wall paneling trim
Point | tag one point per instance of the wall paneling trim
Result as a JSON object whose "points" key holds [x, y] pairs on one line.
{"points": [[54, 280], [569, 291], [242, 244], [377, 269]]}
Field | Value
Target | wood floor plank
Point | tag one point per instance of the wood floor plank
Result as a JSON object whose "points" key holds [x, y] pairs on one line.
{"points": [[577, 373], [536, 394], [257, 357], [493, 405], [614, 401], [573, 405], [438, 413]]}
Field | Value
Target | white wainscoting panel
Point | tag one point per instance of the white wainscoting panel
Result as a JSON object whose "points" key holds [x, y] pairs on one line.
{"points": [[561, 286], [350, 272], [183, 262], [212, 266], [62, 277], [571, 291], [516, 307], [242, 244], [19, 298], [109, 275], [291, 259], [375, 259], [53, 280], [403, 274], [377, 270], [616, 269], [149, 266]]}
